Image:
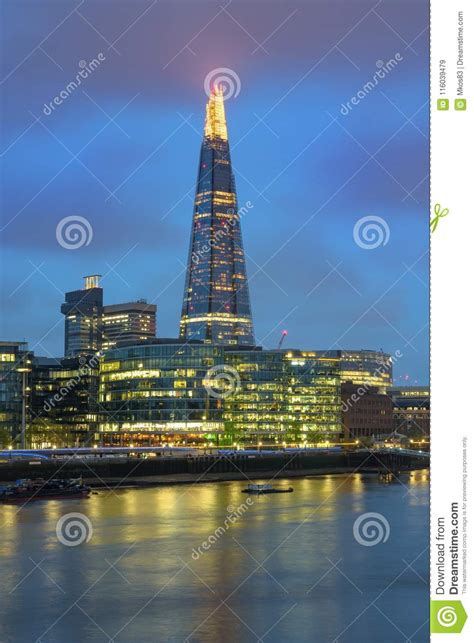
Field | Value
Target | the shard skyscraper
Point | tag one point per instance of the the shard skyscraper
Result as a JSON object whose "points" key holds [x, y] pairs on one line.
{"points": [[216, 305]]}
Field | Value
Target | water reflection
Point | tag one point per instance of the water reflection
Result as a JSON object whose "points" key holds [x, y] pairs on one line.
{"points": [[287, 568]]}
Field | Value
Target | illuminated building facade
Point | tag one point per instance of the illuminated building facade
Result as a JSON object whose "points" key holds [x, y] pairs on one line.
{"points": [[160, 393], [128, 323], [15, 376], [216, 303], [411, 411], [83, 318], [64, 408], [90, 326], [158, 390], [288, 396], [364, 367]]}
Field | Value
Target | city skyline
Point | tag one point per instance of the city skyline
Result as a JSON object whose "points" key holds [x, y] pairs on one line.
{"points": [[306, 272]]}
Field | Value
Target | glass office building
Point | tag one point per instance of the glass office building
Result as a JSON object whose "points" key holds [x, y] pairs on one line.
{"points": [[15, 369], [216, 303], [128, 324], [288, 396], [366, 367], [157, 390], [165, 392], [64, 406], [83, 318]]}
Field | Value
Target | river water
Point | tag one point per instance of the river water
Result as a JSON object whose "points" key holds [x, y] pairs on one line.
{"points": [[199, 563]]}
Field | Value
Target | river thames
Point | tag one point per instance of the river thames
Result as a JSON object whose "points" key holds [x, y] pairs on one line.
{"points": [[200, 563]]}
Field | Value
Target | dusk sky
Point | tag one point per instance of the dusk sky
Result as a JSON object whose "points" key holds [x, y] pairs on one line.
{"points": [[310, 172]]}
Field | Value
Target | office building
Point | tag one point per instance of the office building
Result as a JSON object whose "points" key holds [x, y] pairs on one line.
{"points": [[366, 412], [411, 411], [168, 390], [366, 367], [216, 302], [83, 318], [15, 373], [129, 323], [64, 406]]}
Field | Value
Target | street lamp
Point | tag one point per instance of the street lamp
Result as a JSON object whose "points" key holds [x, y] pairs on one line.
{"points": [[24, 370]]}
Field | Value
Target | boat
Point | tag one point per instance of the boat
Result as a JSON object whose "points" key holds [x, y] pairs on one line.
{"points": [[265, 488], [40, 489]]}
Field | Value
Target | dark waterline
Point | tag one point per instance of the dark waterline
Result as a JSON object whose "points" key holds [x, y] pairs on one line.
{"points": [[288, 569]]}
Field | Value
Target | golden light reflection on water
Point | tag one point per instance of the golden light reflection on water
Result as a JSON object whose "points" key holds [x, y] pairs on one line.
{"points": [[280, 549]]}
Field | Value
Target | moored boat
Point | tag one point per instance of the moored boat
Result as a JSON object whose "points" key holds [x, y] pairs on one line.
{"points": [[265, 488], [40, 489]]}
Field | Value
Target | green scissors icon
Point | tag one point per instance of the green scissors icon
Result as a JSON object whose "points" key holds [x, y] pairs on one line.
{"points": [[439, 214]]}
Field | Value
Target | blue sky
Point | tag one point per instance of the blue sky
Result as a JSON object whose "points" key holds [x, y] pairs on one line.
{"points": [[310, 172]]}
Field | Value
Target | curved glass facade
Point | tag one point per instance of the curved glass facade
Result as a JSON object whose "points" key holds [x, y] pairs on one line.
{"points": [[159, 388], [163, 390]]}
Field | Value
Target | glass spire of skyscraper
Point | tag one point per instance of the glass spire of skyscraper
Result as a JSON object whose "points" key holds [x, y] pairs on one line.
{"points": [[216, 304]]}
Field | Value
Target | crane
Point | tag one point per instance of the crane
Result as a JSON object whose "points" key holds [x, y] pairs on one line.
{"points": [[284, 333]]}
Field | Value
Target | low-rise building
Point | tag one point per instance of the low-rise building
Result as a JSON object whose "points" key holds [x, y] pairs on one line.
{"points": [[411, 411], [366, 412]]}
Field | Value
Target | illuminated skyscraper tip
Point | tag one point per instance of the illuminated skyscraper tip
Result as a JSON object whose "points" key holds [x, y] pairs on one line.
{"points": [[216, 305], [216, 126]]}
